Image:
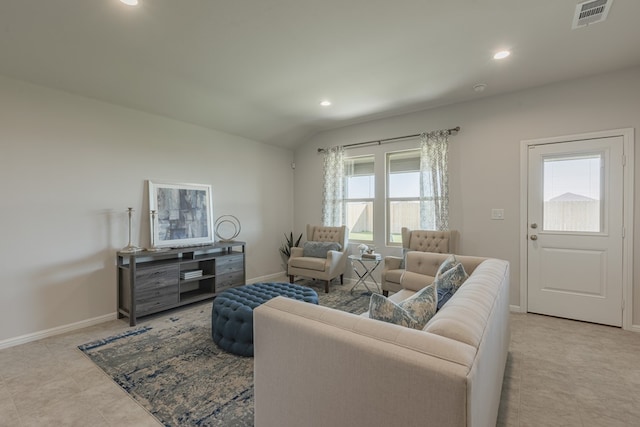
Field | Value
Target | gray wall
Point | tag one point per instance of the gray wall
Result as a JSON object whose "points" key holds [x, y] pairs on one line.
{"points": [[484, 157], [69, 168]]}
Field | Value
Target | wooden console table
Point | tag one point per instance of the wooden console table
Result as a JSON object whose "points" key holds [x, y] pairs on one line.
{"points": [[150, 282]]}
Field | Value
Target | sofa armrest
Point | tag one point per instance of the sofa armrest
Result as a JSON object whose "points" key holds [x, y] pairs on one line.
{"points": [[352, 365], [296, 251], [336, 261]]}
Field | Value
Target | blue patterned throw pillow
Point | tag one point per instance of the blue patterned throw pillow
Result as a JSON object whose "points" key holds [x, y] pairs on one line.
{"points": [[414, 312], [444, 295], [447, 264], [319, 249], [451, 279]]}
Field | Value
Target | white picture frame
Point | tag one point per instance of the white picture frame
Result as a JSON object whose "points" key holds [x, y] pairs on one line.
{"points": [[184, 214]]}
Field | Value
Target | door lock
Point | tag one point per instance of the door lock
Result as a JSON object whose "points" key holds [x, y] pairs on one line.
{"points": [[534, 225]]}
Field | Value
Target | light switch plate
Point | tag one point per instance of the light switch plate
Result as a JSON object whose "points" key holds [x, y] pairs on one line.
{"points": [[497, 213]]}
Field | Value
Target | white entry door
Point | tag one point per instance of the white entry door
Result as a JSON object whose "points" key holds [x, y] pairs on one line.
{"points": [[575, 230]]}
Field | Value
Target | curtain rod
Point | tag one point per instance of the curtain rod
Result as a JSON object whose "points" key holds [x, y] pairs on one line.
{"points": [[383, 141]]}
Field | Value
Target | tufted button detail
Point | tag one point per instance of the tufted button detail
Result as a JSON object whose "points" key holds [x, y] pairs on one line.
{"points": [[429, 241], [327, 234]]}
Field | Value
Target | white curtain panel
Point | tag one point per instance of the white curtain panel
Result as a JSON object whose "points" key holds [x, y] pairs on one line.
{"points": [[333, 189], [434, 181]]}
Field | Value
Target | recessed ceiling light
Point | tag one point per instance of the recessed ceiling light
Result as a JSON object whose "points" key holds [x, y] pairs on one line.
{"points": [[130, 2], [325, 103], [502, 54]]}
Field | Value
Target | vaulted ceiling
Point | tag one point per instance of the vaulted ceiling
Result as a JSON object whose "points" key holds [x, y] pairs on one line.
{"points": [[259, 69]]}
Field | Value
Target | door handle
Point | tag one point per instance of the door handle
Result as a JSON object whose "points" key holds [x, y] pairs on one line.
{"points": [[534, 237]]}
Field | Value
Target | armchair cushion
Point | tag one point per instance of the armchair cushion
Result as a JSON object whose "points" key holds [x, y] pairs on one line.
{"points": [[309, 263], [413, 312], [319, 249]]}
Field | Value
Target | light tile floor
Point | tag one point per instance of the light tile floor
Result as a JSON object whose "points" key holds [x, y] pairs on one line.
{"points": [[51, 383], [559, 373], [567, 373]]}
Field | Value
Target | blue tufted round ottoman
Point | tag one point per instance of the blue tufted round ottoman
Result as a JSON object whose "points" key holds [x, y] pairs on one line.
{"points": [[232, 312]]}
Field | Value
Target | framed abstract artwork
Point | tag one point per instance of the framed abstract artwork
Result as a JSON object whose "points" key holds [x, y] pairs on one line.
{"points": [[183, 212]]}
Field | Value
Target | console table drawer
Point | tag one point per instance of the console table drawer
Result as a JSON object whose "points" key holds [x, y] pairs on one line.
{"points": [[230, 264], [158, 299], [151, 278], [156, 288], [159, 292], [229, 280]]}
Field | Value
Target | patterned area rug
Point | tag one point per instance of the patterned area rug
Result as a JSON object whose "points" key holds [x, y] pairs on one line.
{"points": [[172, 367]]}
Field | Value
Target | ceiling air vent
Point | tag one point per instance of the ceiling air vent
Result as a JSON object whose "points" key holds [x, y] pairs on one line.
{"points": [[590, 12]]}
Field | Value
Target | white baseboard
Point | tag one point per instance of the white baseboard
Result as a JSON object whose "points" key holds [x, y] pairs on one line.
{"points": [[518, 309], [267, 278], [23, 339], [635, 328], [515, 309]]}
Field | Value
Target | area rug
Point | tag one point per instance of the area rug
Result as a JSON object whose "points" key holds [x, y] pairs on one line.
{"points": [[171, 366]]}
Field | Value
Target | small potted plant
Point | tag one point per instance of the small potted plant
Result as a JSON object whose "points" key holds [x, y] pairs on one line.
{"points": [[285, 248]]}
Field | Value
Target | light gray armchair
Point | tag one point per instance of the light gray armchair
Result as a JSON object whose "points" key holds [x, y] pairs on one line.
{"points": [[330, 265], [442, 242]]}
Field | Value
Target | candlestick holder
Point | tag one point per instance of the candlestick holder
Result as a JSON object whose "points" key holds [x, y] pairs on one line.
{"points": [[153, 247], [130, 248]]}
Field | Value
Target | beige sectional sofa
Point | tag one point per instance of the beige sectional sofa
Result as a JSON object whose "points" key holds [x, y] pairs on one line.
{"points": [[315, 366]]}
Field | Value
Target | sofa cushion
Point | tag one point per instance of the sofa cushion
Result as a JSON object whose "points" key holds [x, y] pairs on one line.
{"points": [[414, 312], [415, 281], [319, 249], [424, 263]]}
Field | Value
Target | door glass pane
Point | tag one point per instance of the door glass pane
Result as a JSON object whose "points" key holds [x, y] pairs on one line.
{"points": [[573, 193]]}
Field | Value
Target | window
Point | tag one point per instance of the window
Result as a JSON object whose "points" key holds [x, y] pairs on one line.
{"points": [[360, 187], [414, 194], [403, 193]]}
